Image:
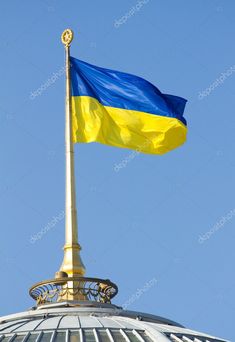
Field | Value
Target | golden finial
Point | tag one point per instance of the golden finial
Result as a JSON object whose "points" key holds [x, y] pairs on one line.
{"points": [[67, 37]]}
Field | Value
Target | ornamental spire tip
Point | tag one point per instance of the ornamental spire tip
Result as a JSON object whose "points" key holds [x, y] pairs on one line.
{"points": [[67, 37]]}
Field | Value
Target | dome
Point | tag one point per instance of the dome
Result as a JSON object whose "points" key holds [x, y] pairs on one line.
{"points": [[100, 323]]}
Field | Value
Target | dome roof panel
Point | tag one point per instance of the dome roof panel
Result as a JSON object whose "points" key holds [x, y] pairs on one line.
{"points": [[49, 323], [11, 324], [89, 322], [109, 322], [69, 322], [29, 325]]}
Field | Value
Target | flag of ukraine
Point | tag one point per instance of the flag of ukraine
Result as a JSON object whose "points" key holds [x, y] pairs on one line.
{"points": [[123, 110]]}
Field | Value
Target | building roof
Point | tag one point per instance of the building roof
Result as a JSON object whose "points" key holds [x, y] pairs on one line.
{"points": [[102, 323]]}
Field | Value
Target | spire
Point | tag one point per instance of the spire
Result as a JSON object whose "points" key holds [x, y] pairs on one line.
{"points": [[72, 263], [70, 286]]}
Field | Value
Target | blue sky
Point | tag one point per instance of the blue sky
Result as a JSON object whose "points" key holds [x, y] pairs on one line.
{"points": [[169, 218]]}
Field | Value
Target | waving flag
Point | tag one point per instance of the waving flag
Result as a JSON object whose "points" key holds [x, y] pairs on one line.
{"points": [[123, 110]]}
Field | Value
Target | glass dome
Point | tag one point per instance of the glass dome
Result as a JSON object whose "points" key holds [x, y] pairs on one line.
{"points": [[106, 323]]}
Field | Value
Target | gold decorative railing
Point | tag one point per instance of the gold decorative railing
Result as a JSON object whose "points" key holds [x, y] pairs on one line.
{"points": [[73, 289]]}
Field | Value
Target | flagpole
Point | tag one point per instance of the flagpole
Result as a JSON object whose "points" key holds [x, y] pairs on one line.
{"points": [[72, 263]]}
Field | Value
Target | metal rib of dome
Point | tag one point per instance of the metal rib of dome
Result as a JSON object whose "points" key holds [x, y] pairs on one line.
{"points": [[104, 324]]}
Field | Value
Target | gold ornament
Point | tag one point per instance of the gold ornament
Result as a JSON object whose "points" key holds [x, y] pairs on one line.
{"points": [[67, 37]]}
